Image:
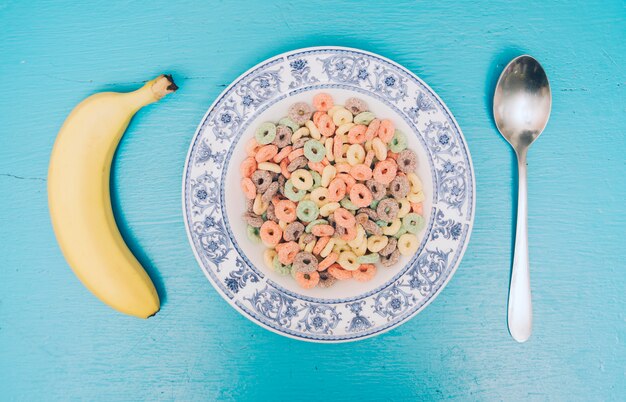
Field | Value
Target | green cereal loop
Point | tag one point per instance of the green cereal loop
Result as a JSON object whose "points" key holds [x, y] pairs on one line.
{"points": [[293, 193], [265, 133], [368, 258], [314, 150], [347, 204], [294, 271], [364, 118], [286, 121], [400, 232], [413, 223], [280, 268], [253, 234], [264, 216], [382, 223], [374, 204], [398, 142], [317, 179], [307, 211], [309, 227]]}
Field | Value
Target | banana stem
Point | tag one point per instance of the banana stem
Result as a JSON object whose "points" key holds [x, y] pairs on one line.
{"points": [[153, 91]]}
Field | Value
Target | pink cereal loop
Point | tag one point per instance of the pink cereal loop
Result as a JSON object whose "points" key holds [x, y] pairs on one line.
{"points": [[248, 187], [385, 171], [325, 125], [317, 166], [323, 102], [285, 210], [349, 180], [392, 155], [316, 118], [323, 230], [283, 168], [308, 280], [287, 252], [360, 195], [339, 273], [342, 167], [364, 273], [361, 172], [270, 233], [336, 190], [344, 218], [320, 244], [252, 147], [417, 207], [282, 154], [337, 147], [350, 234], [369, 158]]}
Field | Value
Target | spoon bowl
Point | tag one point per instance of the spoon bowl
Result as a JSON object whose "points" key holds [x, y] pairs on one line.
{"points": [[521, 109]]}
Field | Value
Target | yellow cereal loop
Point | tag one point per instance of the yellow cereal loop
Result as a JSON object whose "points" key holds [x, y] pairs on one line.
{"points": [[268, 257], [340, 248], [271, 167], [282, 224], [407, 244], [258, 207], [301, 132], [377, 243], [360, 248], [329, 208], [393, 228], [342, 130], [380, 149], [309, 247], [342, 116], [302, 179], [355, 154], [347, 260], [368, 146], [328, 174], [328, 144], [415, 197], [332, 110], [404, 208], [315, 133], [360, 235], [414, 183], [319, 196], [301, 243], [328, 248]]}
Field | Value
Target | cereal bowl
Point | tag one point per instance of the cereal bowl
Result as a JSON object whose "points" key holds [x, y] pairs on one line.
{"points": [[213, 202]]}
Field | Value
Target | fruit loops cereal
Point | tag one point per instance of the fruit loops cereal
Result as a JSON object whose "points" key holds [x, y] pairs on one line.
{"points": [[331, 192]]}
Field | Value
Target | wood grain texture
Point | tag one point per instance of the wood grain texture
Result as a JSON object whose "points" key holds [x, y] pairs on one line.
{"points": [[58, 342]]}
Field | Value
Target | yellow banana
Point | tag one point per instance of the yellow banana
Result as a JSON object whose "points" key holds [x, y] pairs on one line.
{"points": [[80, 204]]}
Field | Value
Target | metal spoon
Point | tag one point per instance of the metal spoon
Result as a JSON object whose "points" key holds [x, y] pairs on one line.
{"points": [[521, 109]]}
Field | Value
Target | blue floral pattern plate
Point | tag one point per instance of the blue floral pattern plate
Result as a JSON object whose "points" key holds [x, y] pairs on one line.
{"points": [[213, 201]]}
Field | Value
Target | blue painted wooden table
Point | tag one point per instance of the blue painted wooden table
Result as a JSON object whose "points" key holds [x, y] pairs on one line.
{"points": [[58, 342]]}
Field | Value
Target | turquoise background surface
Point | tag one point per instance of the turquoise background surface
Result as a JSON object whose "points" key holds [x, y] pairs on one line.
{"points": [[57, 342]]}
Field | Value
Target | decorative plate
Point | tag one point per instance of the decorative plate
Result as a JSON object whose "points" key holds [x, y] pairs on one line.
{"points": [[213, 202]]}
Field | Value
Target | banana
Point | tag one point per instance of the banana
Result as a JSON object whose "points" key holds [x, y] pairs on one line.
{"points": [[80, 204]]}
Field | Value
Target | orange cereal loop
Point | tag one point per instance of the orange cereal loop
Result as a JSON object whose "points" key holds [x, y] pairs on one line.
{"points": [[343, 167], [270, 233], [252, 146], [336, 190], [360, 195], [386, 130], [364, 273], [266, 152], [295, 153], [325, 125], [337, 147], [327, 262], [285, 210], [361, 172], [320, 244], [317, 166], [248, 187], [287, 252], [417, 207], [372, 129], [325, 162], [307, 280], [349, 180], [385, 171], [323, 230], [316, 118], [344, 218], [323, 102], [275, 199], [282, 154], [339, 273], [248, 166], [283, 168], [369, 158], [356, 135], [350, 234], [392, 155]]}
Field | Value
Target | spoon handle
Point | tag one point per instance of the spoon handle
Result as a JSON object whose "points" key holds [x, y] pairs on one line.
{"points": [[520, 317]]}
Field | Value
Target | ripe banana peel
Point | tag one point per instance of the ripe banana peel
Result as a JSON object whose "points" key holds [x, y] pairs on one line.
{"points": [[80, 204]]}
